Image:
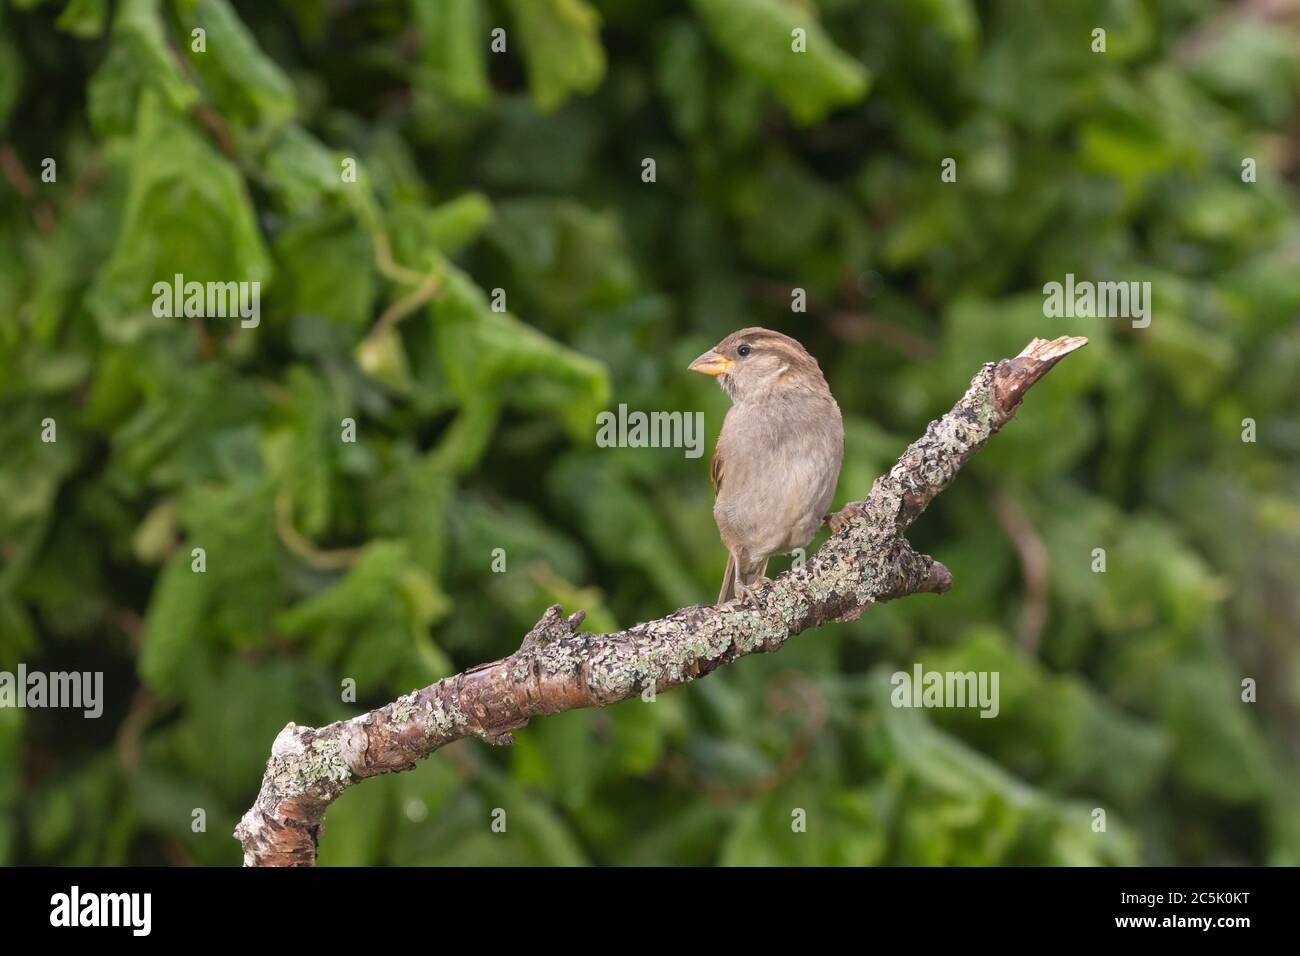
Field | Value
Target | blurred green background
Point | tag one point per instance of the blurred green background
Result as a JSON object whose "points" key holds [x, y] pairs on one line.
{"points": [[521, 171]]}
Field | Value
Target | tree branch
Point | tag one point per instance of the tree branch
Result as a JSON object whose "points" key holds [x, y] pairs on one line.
{"points": [[557, 668]]}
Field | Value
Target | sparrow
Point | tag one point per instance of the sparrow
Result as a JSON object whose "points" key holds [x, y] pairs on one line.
{"points": [[778, 456]]}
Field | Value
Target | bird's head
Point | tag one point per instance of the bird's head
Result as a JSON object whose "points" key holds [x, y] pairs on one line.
{"points": [[756, 362]]}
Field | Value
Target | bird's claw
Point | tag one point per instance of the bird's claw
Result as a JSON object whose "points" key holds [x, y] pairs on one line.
{"points": [[745, 593], [839, 520]]}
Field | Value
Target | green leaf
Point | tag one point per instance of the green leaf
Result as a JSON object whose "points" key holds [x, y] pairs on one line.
{"points": [[758, 35], [411, 501], [139, 33], [453, 47], [244, 83], [113, 93], [423, 236], [301, 171], [235, 525], [84, 18], [186, 213], [368, 584], [569, 258], [177, 608], [1218, 749], [562, 49], [841, 828], [623, 524], [306, 460], [488, 354], [561, 756], [325, 268]]}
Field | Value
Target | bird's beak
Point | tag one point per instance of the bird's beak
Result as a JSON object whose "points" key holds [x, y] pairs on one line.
{"points": [[710, 363]]}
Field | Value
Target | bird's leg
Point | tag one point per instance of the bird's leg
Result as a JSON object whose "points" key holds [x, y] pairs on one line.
{"points": [[746, 591]]}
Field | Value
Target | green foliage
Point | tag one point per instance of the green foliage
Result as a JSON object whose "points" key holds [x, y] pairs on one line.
{"points": [[186, 213], [562, 49], [496, 273], [760, 36]]}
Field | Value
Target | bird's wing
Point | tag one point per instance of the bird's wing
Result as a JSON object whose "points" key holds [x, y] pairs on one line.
{"points": [[715, 473]]}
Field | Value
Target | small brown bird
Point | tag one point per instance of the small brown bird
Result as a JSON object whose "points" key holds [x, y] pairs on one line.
{"points": [[778, 457]]}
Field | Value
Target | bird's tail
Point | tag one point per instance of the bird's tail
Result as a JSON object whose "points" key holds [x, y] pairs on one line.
{"points": [[728, 592]]}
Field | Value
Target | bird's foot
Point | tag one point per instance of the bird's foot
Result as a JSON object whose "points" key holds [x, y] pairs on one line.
{"points": [[839, 520], [745, 592]]}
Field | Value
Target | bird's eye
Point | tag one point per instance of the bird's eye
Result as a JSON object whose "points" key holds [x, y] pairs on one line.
{"points": [[744, 350]]}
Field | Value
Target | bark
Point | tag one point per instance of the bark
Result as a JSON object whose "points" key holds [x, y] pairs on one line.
{"points": [[558, 668]]}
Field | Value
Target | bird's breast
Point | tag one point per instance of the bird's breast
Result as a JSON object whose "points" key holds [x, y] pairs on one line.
{"points": [[781, 467]]}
